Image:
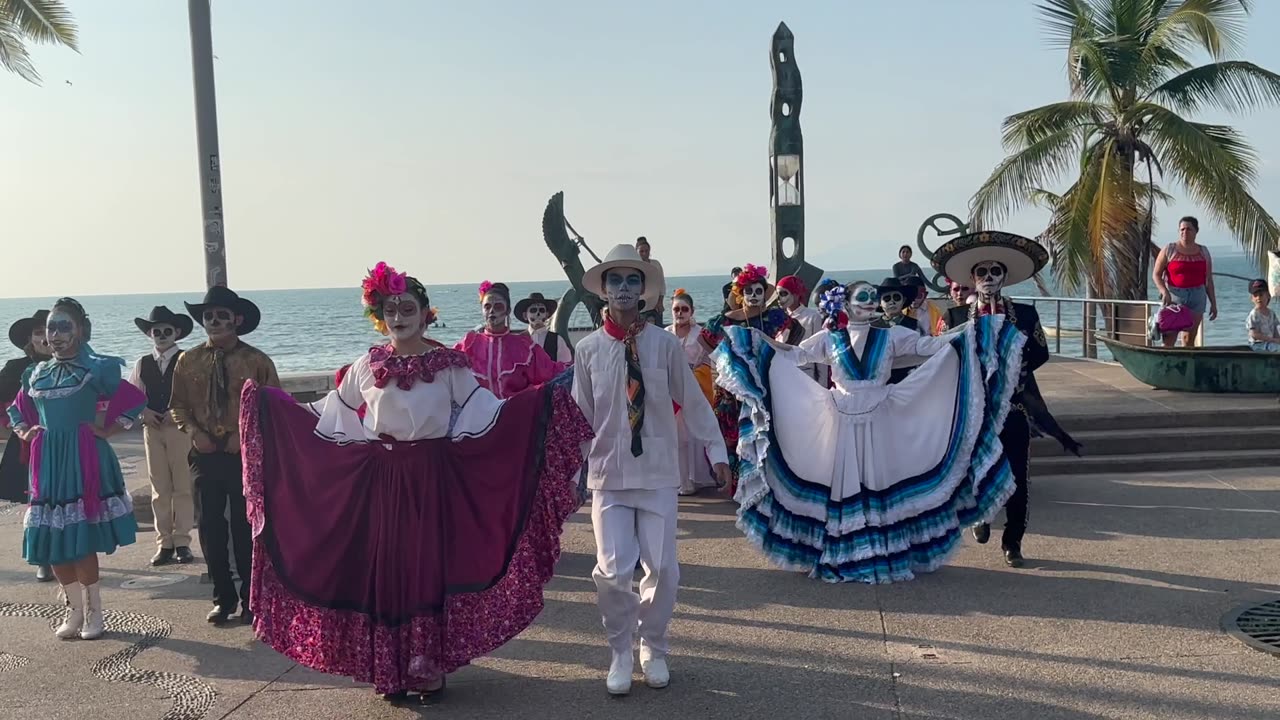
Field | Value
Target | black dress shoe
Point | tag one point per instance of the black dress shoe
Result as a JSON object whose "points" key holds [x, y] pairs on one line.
{"points": [[1013, 557], [981, 533], [183, 555], [163, 556], [219, 614], [396, 697], [44, 573]]}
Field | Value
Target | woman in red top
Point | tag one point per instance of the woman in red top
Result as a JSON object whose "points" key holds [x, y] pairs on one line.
{"points": [[1184, 275]]}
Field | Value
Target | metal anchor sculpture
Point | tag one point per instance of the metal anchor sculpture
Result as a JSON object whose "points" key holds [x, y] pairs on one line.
{"points": [[786, 163], [564, 242]]}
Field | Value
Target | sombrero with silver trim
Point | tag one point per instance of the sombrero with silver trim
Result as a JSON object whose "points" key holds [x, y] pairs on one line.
{"points": [[626, 256], [1022, 257]]}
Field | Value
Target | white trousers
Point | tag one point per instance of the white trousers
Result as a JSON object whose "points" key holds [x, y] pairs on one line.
{"points": [[631, 525], [172, 493]]}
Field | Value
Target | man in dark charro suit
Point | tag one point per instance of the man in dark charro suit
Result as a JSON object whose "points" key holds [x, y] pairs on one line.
{"points": [[992, 260]]}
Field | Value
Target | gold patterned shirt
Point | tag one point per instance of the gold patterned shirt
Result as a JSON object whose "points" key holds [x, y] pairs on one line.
{"points": [[206, 400]]}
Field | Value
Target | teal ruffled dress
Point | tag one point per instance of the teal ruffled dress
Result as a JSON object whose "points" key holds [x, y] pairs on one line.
{"points": [[79, 504]]}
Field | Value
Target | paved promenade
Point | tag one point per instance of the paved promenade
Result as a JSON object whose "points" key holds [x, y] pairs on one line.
{"points": [[1115, 616]]}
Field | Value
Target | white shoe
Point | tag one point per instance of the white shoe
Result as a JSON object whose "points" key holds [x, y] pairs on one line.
{"points": [[656, 673], [94, 623], [620, 671], [70, 627]]}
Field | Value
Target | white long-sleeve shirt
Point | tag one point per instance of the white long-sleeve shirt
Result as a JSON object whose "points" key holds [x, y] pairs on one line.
{"points": [[563, 354], [600, 387]]}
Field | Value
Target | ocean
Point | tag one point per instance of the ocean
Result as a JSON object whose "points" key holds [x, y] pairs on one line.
{"points": [[321, 330]]}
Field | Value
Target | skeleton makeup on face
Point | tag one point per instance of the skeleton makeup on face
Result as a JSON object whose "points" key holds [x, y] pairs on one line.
{"points": [[219, 322], [891, 303], [989, 277], [63, 334], [403, 316], [40, 342], [863, 301], [753, 295], [497, 314], [163, 336], [623, 288], [536, 316], [787, 300], [683, 312]]}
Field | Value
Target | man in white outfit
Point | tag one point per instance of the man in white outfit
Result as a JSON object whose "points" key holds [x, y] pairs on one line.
{"points": [[626, 378]]}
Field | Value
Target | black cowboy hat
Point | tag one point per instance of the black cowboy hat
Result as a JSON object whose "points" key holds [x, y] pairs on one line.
{"points": [[534, 299], [20, 331], [892, 284], [161, 315], [221, 297]]}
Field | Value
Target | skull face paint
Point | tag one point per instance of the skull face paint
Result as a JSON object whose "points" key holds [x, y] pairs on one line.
{"points": [[220, 323], [402, 314], [787, 300], [40, 342], [163, 336], [891, 303], [683, 313], [989, 277], [63, 334], [536, 316], [623, 288], [864, 299], [753, 295], [497, 315]]}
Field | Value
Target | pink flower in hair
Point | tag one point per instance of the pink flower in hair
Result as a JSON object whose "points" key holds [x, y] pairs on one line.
{"points": [[751, 274], [485, 287]]}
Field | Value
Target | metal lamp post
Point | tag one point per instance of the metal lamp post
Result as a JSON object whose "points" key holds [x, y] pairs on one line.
{"points": [[215, 246], [786, 164]]}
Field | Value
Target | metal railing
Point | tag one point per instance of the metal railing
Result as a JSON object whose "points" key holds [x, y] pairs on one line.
{"points": [[1119, 319]]}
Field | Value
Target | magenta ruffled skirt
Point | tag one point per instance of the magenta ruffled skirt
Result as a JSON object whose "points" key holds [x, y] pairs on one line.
{"points": [[395, 565]]}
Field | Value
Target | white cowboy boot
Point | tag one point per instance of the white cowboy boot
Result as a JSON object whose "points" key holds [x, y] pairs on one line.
{"points": [[70, 627], [654, 665], [94, 623], [620, 670]]}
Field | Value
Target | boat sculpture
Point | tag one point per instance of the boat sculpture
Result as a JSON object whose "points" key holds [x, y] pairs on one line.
{"points": [[1226, 369]]}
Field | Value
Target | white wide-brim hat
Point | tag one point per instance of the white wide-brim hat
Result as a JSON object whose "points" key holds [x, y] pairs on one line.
{"points": [[1022, 257], [626, 256]]}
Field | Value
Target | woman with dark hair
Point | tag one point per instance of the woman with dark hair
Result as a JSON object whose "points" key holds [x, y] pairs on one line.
{"points": [[1183, 273], [504, 362], [78, 506], [397, 547], [27, 335]]}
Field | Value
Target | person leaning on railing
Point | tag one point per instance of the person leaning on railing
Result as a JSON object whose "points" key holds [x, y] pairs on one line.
{"points": [[1183, 274]]}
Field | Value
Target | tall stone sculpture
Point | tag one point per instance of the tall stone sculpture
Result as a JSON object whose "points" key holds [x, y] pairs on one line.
{"points": [[786, 164], [555, 232]]}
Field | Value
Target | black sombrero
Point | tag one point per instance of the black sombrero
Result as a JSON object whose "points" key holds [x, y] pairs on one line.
{"points": [[221, 297], [892, 284], [20, 331], [1022, 257], [534, 299], [161, 315]]}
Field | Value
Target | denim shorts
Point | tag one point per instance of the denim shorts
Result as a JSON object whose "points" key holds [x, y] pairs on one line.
{"points": [[1195, 299], [1264, 347]]}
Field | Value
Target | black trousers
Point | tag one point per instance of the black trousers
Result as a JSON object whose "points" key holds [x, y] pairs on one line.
{"points": [[219, 483], [1016, 438]]}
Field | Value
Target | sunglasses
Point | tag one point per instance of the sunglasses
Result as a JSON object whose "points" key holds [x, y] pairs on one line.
{"points": [[163, 332], [995, 271]]}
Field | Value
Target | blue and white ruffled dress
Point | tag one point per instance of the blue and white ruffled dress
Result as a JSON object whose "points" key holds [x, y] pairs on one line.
{"points": [[868, 481]]}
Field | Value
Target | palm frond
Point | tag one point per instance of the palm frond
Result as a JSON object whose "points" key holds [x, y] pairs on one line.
{"points": [[1234, 86], [41, 21], [1037, 165], [1072, 25], [1217, 168], [13, 54], [1027, 128], [1215, 26]]}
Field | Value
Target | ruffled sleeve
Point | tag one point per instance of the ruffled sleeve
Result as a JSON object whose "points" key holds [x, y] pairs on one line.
{"points": [[542, 369], [124, 401], [474, 409], [339, 411]]}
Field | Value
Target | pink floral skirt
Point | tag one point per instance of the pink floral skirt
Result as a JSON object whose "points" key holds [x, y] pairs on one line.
{"points": [[395, 565]]}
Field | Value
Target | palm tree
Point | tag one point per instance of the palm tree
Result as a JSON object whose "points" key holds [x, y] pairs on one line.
{"points": [[35, 21], [1125, 126]]}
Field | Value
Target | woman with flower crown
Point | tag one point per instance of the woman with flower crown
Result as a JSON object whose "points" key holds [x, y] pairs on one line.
{"points": [[751, 287], [460, 498], [829, 484], [505, 362]]}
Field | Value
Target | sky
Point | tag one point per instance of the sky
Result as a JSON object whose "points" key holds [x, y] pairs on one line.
{"points": [[431, 135]]}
